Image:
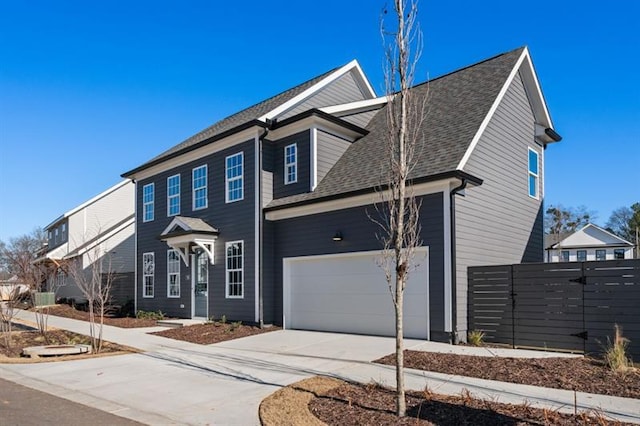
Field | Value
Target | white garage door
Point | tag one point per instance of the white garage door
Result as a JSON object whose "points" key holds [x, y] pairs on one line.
{"points": [[348, 293]]}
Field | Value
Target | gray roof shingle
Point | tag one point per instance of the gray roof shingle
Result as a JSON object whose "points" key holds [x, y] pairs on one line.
{"points": [[457, 103]]}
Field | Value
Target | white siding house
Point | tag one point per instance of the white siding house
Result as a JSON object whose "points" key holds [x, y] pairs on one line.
{"points": [[588, 244]]}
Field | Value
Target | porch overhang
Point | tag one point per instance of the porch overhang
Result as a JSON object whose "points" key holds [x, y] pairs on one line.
{"points": [[185, 234]]}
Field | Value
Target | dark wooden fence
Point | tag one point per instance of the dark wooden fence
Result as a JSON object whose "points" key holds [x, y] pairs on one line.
{"points": [[570, 306]]}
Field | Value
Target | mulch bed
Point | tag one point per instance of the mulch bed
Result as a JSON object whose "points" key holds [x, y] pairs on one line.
{"points": [[351, 404], [214, 332], [579, 374], [70, 312], [23, 339]]}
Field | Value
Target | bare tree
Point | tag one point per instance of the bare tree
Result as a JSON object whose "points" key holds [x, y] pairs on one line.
{"points": [[20, 258], [9, 306], [398, 209], [94, 281]]}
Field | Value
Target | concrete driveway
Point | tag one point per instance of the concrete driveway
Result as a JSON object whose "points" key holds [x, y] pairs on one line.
{"points": [[182, 383]]}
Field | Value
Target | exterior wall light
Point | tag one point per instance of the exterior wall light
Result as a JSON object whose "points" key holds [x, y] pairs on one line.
{"points": [[337, 236]]}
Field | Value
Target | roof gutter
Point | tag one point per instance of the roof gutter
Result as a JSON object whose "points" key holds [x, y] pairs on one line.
{"points": [[260, 209]]}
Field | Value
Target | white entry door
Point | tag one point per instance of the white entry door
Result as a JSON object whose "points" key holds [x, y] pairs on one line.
{"points": [[348, 293]]}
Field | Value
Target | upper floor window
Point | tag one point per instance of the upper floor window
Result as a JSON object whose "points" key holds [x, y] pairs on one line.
{"points": [[64, 231], [173, 273], [290, 163], [618, 253], [581, 255], [533, 174], [147, 202], [235, 269], [200, 187], [565, 255], [148, 274], [173, 195], [601, 254], [234, 177]]}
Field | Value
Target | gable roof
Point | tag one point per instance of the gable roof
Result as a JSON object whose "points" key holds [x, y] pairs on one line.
{"points": [[591, 235], [457, 104], [259, 113]]}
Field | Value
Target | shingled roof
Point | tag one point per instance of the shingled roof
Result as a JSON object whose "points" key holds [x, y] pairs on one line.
{"points": [[245, 116], [457, 104]]}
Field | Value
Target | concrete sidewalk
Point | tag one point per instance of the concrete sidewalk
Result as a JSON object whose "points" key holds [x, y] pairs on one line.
{"points": [[176, 382]]}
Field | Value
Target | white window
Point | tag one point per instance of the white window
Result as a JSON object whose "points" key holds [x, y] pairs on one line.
{"points": [[148, 273], [235, 270], [173, 273], [147, 203], [173, 195], [200, 187], [533, 174], [61, 279], [290, 164], [234, 177]]}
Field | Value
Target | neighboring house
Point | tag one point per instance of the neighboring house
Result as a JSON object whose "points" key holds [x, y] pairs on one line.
{"points": [[104, 225], [266, 214], [588, 243], [11, 288]]}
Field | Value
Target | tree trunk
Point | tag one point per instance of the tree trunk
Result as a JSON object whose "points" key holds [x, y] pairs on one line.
{"points": [[401, 405]]}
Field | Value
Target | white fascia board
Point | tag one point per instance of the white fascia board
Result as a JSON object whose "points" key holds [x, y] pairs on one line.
{"points": [[176, 221], [353, 201], [532, 88], [310, 122], [89, 202], [492, 110], [355, 107], [199, 153], [351, 66]]}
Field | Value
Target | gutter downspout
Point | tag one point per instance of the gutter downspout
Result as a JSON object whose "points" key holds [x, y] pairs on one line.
{"points": [[452, 207], [261, 228]]}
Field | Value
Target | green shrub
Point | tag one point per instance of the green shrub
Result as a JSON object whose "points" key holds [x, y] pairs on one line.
{"points": [[235, 325], [615, 354], [150, 315], [475, 337]]}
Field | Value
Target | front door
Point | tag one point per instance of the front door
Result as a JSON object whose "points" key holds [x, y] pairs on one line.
{"points": [[201, 285]]}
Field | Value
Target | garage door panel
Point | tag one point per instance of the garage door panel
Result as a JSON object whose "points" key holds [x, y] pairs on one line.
{"points": [[350, 294]]}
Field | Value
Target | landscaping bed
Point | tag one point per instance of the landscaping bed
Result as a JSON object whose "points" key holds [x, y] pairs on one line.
{"points": [[349, 404], [23, 339], [124, 322], [213, 332], [579, 374]]}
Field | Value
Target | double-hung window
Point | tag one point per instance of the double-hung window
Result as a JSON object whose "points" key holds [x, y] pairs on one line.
{"points": [[565, 255], [533, 174], [148, 274], [601, 254], [200, 188], [235, 269], [581, 255], [290, 164], [173, 273], [173, 195], [147, 202], [234, 177]]}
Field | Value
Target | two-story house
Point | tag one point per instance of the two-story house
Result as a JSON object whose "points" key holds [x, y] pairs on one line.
{"points": [[267, 214], [100, 228]]}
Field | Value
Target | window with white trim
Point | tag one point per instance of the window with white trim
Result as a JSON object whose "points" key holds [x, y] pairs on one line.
{"points": [[200, 188], [234, 177], [565, 255], [601, 254], [290, 164], [61, 279], [533, 174], [173, 273], [173, 195], [148, 274], [235, 269], [581, 255], [147, 202]]}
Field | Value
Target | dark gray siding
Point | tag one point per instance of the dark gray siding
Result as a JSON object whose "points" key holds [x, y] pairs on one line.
{"points": [[498, 223], [61, 237], [329, 148], [312, 235], [304, 183], [235, 221], [344, 90], [268, 272]]}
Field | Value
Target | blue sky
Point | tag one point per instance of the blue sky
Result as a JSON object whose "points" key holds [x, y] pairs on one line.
{"points": [[89, 90]]}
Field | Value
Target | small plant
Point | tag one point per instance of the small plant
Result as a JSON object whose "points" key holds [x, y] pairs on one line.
{"points": [[153, 315], [235, 325], [223, 319], [476, 337], [615, 354]]}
